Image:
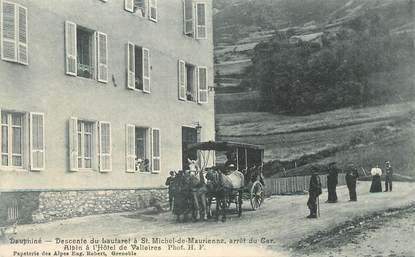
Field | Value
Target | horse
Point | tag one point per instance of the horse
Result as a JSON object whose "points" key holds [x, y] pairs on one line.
{"points": [[225, 188], [198, 190]]}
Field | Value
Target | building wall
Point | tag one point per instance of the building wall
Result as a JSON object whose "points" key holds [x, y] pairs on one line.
{"points": [[43, 86]]}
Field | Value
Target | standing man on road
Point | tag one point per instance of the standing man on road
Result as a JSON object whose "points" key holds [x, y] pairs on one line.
{"points": [[351, 178], [170, 184], [332, 180], [388, 176], [313, 193]]}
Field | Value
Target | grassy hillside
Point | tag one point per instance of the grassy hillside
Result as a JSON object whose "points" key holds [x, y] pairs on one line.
{"points": [[365, 136]]}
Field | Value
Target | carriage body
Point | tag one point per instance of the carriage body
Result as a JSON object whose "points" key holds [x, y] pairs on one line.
{"points": [[247, 158]]}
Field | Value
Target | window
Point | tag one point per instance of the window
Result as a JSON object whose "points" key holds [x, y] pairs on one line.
{"points": [[14, 45], [86, 52], [152, 15], [142, 149], [138, 64], [84, 47], [85, 144], [139, 7], [12, 139], [90, 145], [192, 82], [22, 142], [191, 93], [194, 19]]}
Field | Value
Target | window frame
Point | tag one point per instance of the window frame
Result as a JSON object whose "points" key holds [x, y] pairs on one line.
{"points": [[93, 143], [131, 71], [131, 153], [197, 26], [23, 143], [72, 54], [150, 6]]}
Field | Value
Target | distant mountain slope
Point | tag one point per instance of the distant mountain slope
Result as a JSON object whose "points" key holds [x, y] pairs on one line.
{"points": [[239, 25]]}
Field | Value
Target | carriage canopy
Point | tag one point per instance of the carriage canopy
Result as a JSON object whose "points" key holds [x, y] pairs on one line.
{"points": [[244, 155]]}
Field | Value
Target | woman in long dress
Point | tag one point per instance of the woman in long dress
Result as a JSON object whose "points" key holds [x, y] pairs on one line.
{"points": [[376, 182]]}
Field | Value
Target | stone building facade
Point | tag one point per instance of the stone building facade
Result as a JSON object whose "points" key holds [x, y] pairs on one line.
{"points": [[98, 101]]}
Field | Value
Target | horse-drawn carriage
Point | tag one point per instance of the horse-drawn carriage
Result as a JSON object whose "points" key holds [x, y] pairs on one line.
{"points": [[239, 165]]}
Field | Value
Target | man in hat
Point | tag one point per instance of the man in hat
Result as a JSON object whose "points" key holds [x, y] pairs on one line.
{"points": [[332, 180], [351, 179], [388, 176], [313, 193], [170, 184]]}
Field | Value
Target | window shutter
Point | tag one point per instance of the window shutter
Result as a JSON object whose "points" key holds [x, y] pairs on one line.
{"points": [[152, 15], [37, 141], [156, 154], [73, 144], [130, 66], [129, 5], [70, 48], [105, 160], [102, 55], [22, 50], [188, 10], [8, 32], [146, 70], [201, 32], [202, 85], [182, 80], [130, 148]]}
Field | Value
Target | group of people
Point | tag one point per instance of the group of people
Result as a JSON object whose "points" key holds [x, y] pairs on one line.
{"points": [[315, 188], [184, 190], [376, 173]]}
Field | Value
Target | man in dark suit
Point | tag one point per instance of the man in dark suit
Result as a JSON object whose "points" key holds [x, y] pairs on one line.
{"points": [[388, 176], [313, 193], [351, 179]]}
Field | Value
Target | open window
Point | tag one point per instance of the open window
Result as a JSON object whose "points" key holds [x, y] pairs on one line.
{"points": [[192, 81], [194, 19], [138, 64], [136, 6], [86, 52], [142, 149]]}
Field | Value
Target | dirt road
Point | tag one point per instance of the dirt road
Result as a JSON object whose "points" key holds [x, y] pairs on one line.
{"points": [[274, 230]]}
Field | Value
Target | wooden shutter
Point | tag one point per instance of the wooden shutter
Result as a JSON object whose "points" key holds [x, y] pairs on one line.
{"points": [[129, 5], [201, 32], [146, 70], [102, 54], [37, 141], [202, 85], [105, 160], [156, 150], [8, 32], [152, 10], [182, 80], [130, 65], [73, 144], [70, 48], [22, 49], [188, 24], [130, 148]]}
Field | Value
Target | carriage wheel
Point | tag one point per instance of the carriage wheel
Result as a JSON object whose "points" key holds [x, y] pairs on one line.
{"points": [[257, 195]]}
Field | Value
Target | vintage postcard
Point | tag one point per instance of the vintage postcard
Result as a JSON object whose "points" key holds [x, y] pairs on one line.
{"points": [[254, 128]]}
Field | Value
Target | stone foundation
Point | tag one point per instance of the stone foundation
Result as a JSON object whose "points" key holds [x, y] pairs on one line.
{"points": [[55, 205]]}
